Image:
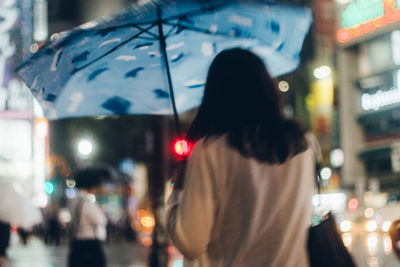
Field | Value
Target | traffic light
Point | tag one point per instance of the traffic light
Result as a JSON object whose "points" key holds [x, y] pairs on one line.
{"points": [[49, 187], [182, 147]]}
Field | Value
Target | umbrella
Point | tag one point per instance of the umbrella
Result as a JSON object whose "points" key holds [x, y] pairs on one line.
{"points": [[152, 57], [93, 176], [122, 177], [16, 208], [96, 174]]}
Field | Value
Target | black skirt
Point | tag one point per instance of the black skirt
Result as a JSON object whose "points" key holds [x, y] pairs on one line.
{"points": [[86, 253]]}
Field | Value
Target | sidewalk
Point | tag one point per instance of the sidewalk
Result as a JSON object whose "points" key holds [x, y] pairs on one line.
{"points": [[36, 254]]}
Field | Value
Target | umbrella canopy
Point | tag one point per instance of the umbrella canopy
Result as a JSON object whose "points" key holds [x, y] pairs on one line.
{"points": [[123, 177], [97, 174], [93, 176], [16, 208], [127, 63]]}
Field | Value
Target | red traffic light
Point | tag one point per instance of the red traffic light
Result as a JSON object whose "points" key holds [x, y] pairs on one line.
{"points": [[182, 147]]}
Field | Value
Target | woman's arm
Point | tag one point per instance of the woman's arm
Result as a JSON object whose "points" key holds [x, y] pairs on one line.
{"points": [[97, 219], [191, 212]]}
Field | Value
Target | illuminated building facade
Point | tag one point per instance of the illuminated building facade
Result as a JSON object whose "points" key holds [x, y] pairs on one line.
{"points": [[368, 64], [23, 134]]}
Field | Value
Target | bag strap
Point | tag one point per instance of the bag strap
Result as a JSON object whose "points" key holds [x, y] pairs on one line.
{"points": [[313, 143], [318, 177], [77, 217]]}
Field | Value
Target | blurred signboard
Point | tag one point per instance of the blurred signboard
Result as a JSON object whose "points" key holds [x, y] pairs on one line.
{"points": [[9, 16], [335, 202], [325, 16], [320, 105], [363, 16], [15, 139], [15, 38], [16, 149], [395, 157]]}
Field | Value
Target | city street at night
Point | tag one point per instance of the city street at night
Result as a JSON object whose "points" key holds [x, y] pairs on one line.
{"points": [[371, 250], [144, 133]]}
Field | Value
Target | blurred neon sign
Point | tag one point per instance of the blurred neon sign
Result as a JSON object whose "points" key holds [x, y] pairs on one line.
{"points": [[381, 98], [363, 16], [9, 15]]}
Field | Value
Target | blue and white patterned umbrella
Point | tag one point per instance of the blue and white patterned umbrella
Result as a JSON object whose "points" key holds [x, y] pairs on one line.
{"points": [[117, 65]]}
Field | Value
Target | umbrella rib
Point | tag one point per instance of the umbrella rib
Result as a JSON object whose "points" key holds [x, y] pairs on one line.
{"points": [[146, 30], [199, 11], [113, 49], [170, 31], [192, 13], [197, 29]]}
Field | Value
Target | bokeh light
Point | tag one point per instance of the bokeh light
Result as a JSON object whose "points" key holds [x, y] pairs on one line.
{"points": [[352, 205], [369, 212], [371, 226], [283, 86], [326, 173], [345, 226], [48, 187], [41, 127], [182, 147], [70, 183], [322, 72], [337, 157], [147, 221], [347, 239], [85, 147], [387, 245], [386, 226]]}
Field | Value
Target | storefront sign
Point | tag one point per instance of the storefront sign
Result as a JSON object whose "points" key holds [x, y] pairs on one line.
{"points": [[380, 99], [13, 94], [320, 106], [8, 17], [363, 16], [324, 16], [395, 157]]}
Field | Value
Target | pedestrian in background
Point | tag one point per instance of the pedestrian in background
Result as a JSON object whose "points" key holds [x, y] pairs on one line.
{"points": [[53, 226], [246, 192], [5, 232], [88, 229], [23, 235]]}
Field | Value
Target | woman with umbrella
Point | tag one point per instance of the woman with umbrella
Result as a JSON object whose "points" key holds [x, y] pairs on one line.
{"points": [[88, 229], [246, 198]]}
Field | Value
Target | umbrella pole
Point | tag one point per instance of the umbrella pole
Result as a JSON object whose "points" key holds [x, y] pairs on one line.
{"points": [[164, 53]]}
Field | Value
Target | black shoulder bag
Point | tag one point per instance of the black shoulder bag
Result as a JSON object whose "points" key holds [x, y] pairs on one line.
{"points": [[325, 245]]}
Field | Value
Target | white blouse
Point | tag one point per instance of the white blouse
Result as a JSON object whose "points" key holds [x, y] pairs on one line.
{"points": [[92, 223], [236, 211]]}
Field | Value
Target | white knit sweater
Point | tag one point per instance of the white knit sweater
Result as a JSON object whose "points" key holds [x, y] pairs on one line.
{"points": [[235, 211]]}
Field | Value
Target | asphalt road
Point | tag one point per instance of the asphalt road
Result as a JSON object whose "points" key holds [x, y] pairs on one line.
{"points": [[36, 254], [369, 250]]}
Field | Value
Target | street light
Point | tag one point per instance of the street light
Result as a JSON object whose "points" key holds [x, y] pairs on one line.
{"points": [[85, 147], [322, 72]]}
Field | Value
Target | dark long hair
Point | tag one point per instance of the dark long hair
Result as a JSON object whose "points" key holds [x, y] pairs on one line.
{"points": [[242, 101]]}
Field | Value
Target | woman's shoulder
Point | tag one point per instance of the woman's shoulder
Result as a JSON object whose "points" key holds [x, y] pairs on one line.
{"points": [[211, 143], [314, 145]]}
